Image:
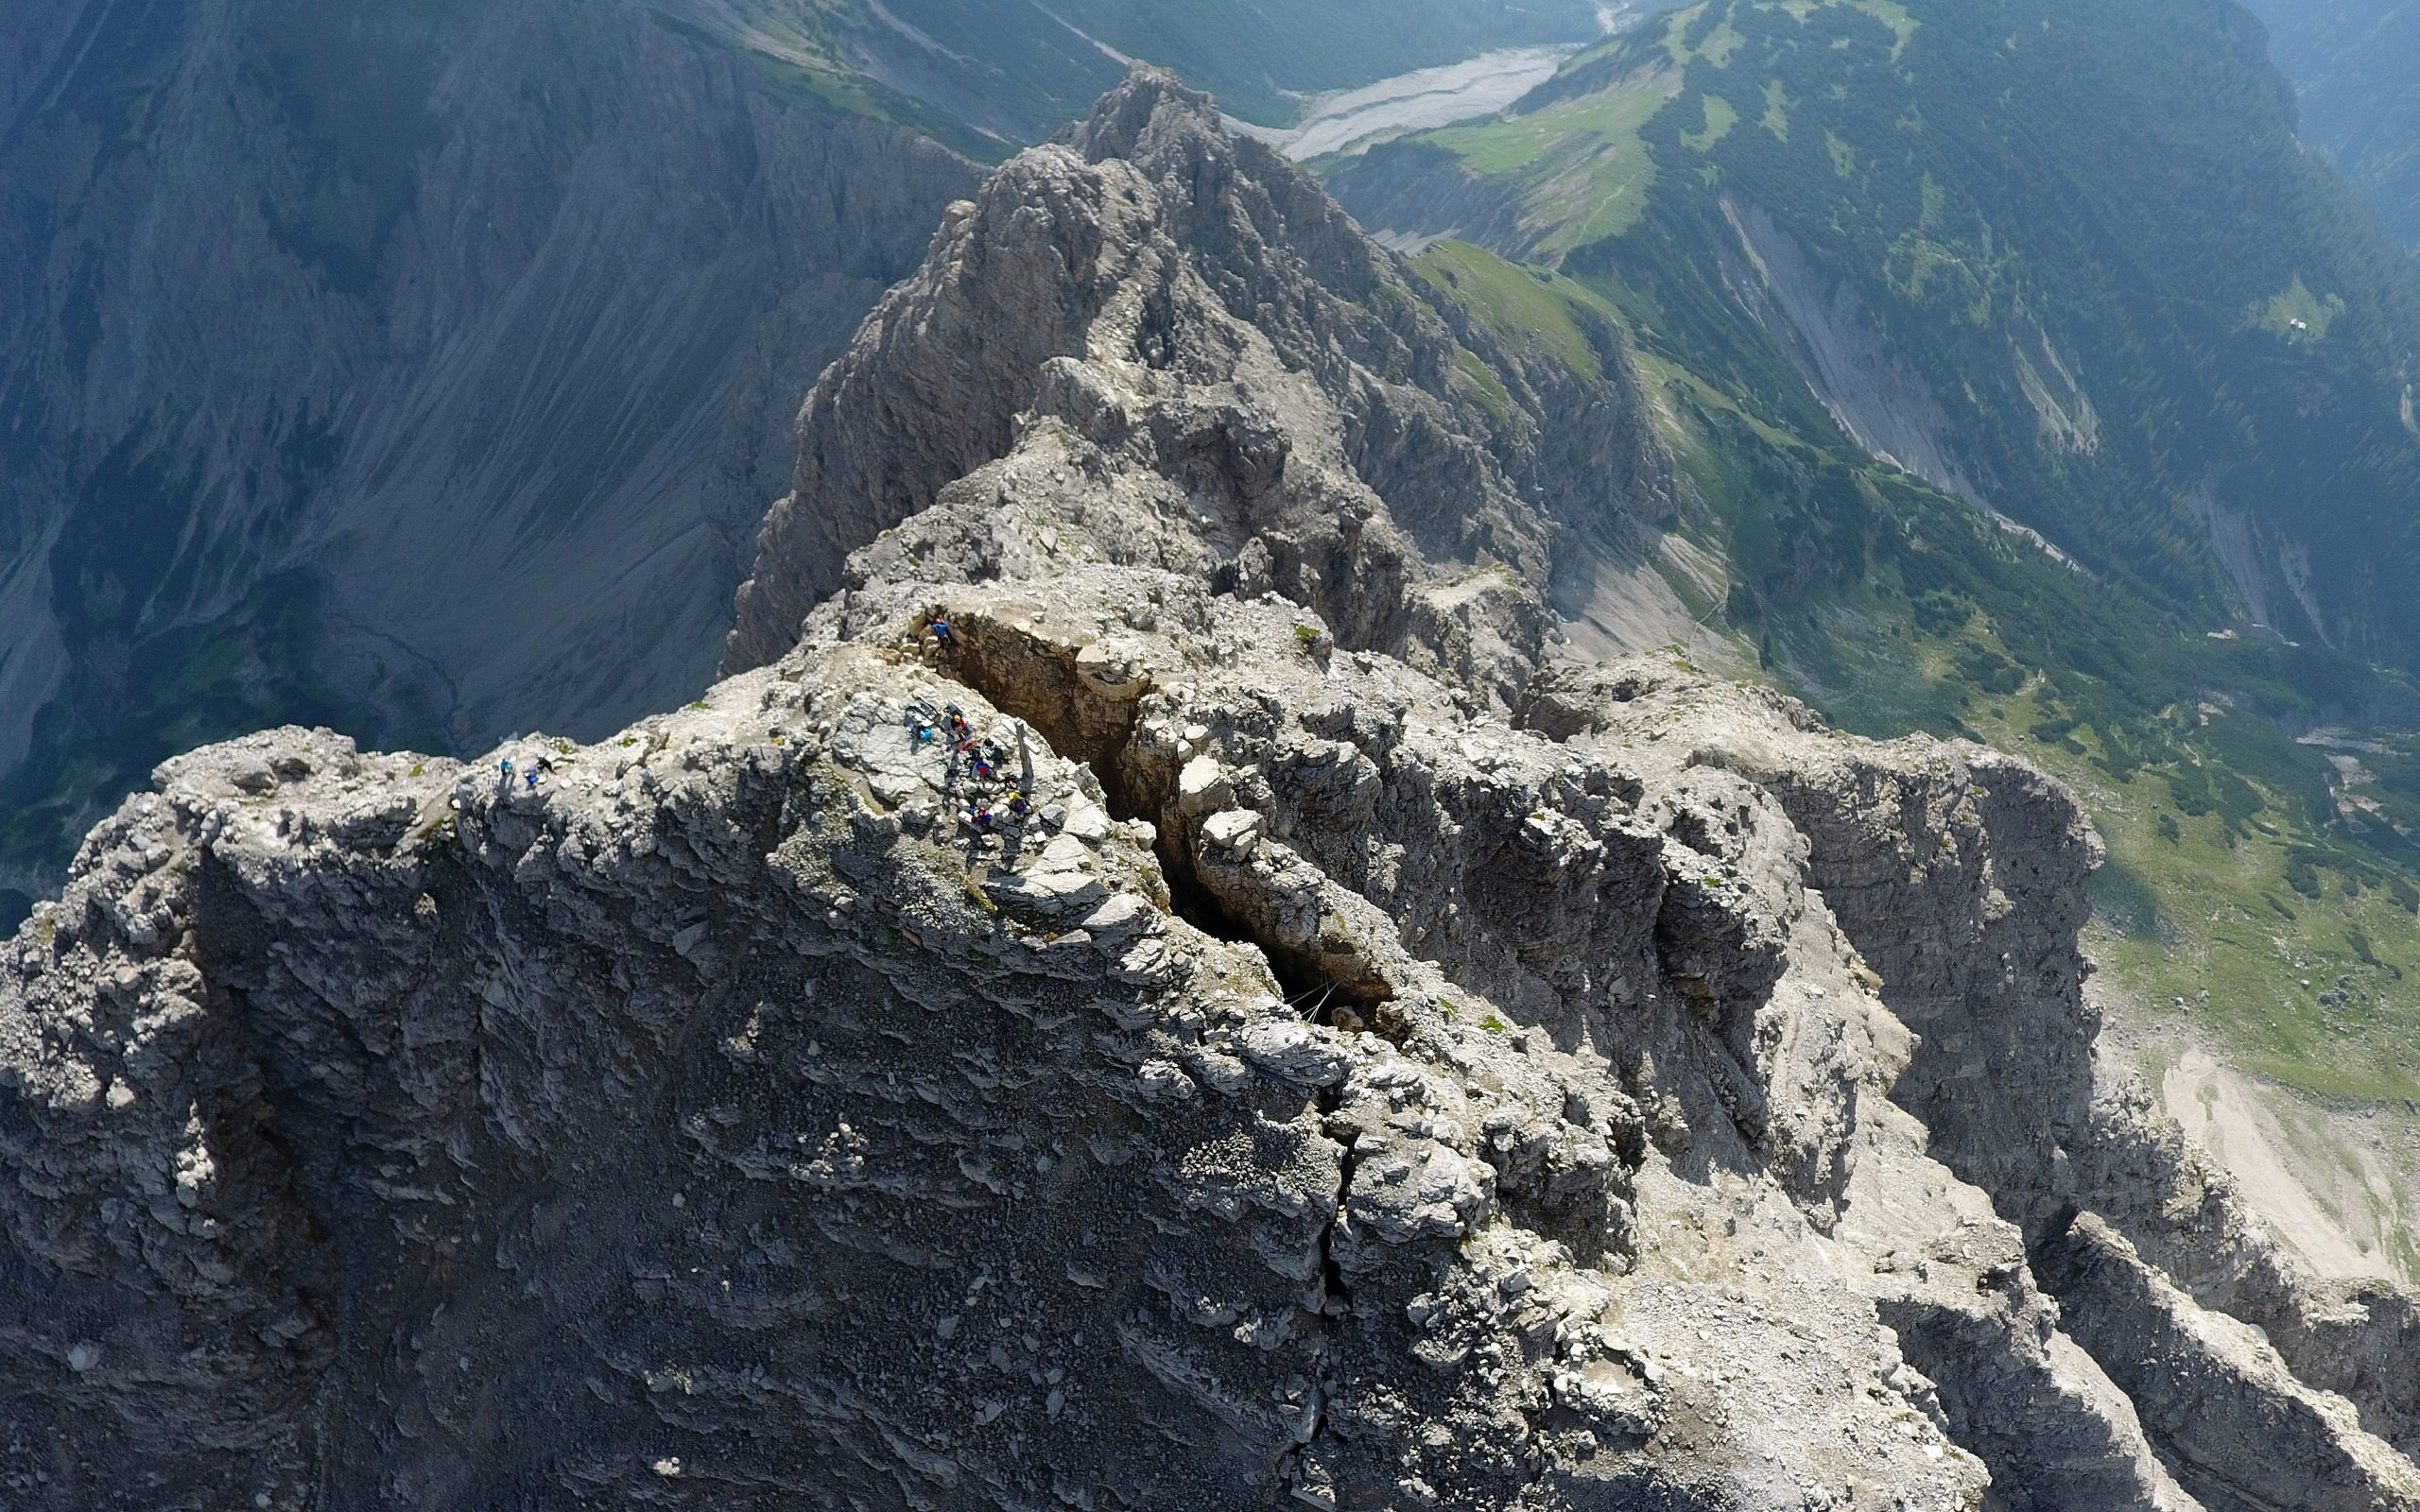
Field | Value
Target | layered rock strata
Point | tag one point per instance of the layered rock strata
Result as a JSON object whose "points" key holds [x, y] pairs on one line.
{"points": [[1375, 1075]]}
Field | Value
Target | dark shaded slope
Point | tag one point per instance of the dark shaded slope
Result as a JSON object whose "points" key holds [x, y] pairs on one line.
{"points": [[423, 369], [395, 367], [2355, 67]]}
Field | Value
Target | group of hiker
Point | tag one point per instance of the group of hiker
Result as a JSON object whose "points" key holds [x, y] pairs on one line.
{"points": [[542, 766], [998, 795], [998, 798]]}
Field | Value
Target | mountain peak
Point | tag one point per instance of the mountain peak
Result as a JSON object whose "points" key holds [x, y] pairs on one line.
{"points": [[1151, 109], [1149, 987], [1179, 309]]}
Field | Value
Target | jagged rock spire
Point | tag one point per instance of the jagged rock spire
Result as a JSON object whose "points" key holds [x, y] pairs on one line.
{"points": [[1183, 299]]}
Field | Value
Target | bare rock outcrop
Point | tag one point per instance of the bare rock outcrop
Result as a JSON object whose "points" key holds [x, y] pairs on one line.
{"points": [[1188, 306], [1355, 1069]]}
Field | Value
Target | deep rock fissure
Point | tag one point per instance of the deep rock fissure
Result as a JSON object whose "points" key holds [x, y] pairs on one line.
{"points": [[1044, 685], [1335, 1296], [1314, 993]]}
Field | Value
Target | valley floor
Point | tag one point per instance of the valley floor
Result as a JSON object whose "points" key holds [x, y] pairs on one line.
{"points": [[1417, 101]]}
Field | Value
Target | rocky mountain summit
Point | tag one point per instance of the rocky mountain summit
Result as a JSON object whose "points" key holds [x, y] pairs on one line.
{"points": [[1180, 321], [1390, 1067]]}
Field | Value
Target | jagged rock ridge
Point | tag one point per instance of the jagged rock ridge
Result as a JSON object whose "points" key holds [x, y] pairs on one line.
{"points": [[1378, 1078], [1186, 314]]}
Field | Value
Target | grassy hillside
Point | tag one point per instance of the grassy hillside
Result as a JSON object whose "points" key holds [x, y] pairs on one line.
{"points": [[2084, 236]]}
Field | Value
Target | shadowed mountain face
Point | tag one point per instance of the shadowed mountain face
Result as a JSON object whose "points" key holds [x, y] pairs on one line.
{"points": [[422, 369], [417, 369], [2355, 67]]}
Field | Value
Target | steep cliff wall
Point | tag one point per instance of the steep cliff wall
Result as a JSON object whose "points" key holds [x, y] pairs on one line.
{"points": [[472, 334], [1356, 1083]]}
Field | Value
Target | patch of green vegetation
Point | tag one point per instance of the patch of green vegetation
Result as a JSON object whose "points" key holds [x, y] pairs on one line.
{"points": [[1702, 31], [1479, 381], [1581, 164], [1720, 117], [1843, 156], [2194, 910], [1521, 304], [799, 53], [1776, 118], [2296, 315]]}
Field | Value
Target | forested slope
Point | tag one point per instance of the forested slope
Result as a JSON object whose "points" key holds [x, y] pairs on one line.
{"points": [[2355, 67]]}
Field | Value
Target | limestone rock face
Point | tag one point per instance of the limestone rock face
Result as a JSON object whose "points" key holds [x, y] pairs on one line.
{"points": [[1375, 1071], [1181, 314]]}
